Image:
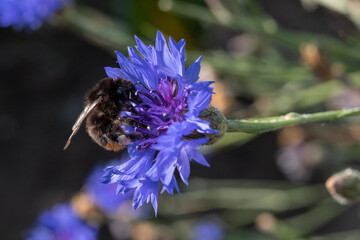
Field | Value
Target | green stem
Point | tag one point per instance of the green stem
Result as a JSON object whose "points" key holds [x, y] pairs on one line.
{"points": [[260, 125]]}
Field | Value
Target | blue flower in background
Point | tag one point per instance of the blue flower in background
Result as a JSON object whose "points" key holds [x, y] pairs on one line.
{"points": [[207, 230], [171, 101], [28, 14], [104, 195], [61, 223]]}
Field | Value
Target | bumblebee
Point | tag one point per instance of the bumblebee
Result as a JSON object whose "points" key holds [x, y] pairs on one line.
{"points": [[102, 108]]}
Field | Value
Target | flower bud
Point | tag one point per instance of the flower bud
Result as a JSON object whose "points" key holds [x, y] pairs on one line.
{"points": [[344, 186], [217, 121]]}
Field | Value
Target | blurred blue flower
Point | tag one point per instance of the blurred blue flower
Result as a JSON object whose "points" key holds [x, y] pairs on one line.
{"points": [[171, 101], [104, 195], [207, 230], [61, 223], [28, 14]]}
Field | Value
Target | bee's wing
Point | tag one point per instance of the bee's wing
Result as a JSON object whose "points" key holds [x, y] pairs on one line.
{"points": [[75, 128]]}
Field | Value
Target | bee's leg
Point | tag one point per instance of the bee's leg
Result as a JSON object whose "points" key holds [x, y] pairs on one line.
{"points": [[118, 134], [129, 107], [128, 121]]}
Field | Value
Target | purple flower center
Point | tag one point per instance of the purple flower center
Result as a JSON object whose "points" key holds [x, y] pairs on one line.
{"points": [[158, 109]]}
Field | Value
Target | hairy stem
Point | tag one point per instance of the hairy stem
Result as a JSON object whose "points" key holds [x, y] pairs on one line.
{"points": [[260, 125]]}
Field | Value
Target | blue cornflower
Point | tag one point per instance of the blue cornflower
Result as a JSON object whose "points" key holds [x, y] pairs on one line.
{"points": [[207, 230], [61, 223], [167, 118], [28, 14]]}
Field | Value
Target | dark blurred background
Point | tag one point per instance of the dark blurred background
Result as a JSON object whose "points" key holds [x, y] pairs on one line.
{"points": [[267, 58]]}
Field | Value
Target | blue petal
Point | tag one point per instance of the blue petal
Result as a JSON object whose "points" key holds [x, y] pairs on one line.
{"points": [[202, 126], [167, 63], [180, 47], [195, 154], [172, 137], [132, 183], [198, 101], [132, 149], [143, 49], [135, 58], [111, 175], [138, 164], [167, 171], [197, 142], [178, 51], [183, 166], [203, 86], [170, 187], [160, 42], [150, 76], [114, 73], [147, 191], [130, 71], [163, 167], [192, 73]]}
